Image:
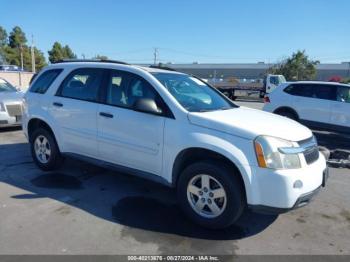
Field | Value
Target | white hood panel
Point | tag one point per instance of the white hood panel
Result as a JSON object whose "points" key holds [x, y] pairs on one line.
{"points": [[250, 123]]}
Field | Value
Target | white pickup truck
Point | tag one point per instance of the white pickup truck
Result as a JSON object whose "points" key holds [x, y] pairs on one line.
{"points": [[234, 90]]}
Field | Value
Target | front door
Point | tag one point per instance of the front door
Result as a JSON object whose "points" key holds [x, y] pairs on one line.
{"points": [[341, 108], [127, 137]]}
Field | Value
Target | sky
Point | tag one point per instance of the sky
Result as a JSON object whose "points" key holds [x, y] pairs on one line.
{"points": [[186, 31]]}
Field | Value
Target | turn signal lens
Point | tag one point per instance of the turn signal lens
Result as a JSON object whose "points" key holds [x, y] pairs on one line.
{"points": [[260, 155]]}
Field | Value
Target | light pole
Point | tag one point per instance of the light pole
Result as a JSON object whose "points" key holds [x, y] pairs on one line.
{"points": [[21, 53], [155, 54], [33, 55]]}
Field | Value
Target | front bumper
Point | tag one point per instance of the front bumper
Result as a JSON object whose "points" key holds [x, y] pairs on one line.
{"points": [[278, 191], [301, 201]]}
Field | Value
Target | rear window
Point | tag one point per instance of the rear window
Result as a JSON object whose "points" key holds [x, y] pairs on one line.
{"points": [[44, 81]]}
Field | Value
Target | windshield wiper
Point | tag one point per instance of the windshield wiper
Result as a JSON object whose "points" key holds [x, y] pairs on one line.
{"points": [[205, 110], [225, 108]]}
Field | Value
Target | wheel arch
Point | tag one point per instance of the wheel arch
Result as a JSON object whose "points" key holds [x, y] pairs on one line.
{"points": [[194, 154], [286, 108], [35, 123]]}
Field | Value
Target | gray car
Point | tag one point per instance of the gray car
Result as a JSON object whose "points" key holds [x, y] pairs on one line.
{"points": [[10, 104]]}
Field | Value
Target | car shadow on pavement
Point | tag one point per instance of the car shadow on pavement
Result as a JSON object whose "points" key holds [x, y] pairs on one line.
{"points": [[158, 216], [10, 129], [124, 199]]}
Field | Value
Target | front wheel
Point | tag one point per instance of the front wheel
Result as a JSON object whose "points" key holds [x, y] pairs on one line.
{"points": [[211, 194], [44, 149]]}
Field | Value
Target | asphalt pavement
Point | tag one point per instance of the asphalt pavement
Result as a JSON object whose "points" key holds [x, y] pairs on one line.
{"points": [[84, 209]]}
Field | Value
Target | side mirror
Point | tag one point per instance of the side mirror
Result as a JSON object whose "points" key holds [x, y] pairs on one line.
{"points": [[147, 105]]}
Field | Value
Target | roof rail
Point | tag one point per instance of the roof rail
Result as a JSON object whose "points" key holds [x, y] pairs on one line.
{"points": [[90, 60], [160, 66]]}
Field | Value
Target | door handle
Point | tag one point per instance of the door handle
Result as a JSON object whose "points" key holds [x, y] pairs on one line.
{"points": [[108, 115], [57, 104]]}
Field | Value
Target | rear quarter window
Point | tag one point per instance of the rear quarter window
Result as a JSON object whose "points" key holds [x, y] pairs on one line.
{"points": [[44, 81]]}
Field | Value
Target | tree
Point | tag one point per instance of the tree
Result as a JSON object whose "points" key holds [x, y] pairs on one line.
{"points": [[296, 67], [40, 60], [58, 52], [68, 53], [3, 37], [345, 80], [17, 38]]}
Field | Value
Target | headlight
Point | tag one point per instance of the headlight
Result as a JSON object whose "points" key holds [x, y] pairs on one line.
{"points": [[2, 107], [276, 153]]}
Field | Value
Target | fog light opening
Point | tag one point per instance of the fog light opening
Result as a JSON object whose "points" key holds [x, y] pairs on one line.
{"points": [[298, 184]]}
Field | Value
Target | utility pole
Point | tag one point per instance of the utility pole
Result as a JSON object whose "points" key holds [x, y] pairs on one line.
{"points": [[33, 55], [21, 52], [155, 54]]}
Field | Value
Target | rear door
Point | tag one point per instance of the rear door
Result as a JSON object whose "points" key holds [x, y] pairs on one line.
{"points": [[74, 109], [341, 108], [312, 102]]}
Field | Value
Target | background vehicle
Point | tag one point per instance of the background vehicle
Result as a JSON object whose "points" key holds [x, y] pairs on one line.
{"points": [[10, 104], [253, 89], [10, 68], [174, 129], [323, 105]]}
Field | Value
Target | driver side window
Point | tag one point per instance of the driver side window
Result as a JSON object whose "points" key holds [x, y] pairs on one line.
{"points": [[124, 89], [343, 94]]}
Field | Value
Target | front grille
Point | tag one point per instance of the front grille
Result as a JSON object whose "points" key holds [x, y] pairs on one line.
{"points": [[311, 153], [14, 109]]}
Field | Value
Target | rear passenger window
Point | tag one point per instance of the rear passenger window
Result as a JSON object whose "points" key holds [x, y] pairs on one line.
{"points": [[82, 84], [44, 81], [300, 90], [327, 92]]}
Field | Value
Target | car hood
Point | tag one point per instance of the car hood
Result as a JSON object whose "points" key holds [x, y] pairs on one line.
{"points": [[250, 123], [11, 96]]}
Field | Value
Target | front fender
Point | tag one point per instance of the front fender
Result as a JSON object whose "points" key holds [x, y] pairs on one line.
{"points": [[238, 150]]}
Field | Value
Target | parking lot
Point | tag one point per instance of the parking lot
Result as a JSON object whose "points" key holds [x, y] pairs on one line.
{"points": [[83, 209]]}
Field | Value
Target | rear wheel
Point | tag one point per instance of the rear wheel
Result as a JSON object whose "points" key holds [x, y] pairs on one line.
{"points": [[211, 194], [44, 149]]}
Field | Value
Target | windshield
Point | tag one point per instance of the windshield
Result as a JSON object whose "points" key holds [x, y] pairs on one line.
{"points": [[282, 79], [193, 94], [6, 87]]}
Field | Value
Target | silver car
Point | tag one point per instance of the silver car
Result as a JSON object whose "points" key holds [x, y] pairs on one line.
{"points": [[10, 104]]}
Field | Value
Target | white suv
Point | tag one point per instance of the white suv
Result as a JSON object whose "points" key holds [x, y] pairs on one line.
{"points": [[175, 129], [324, 105]]}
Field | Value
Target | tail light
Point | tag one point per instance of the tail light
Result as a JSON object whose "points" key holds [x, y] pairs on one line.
{"points": [[266, 99]]}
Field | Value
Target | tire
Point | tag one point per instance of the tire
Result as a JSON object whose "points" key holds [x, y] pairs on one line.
{"points": [[47, 157], [231, 205], [287, 113]]}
